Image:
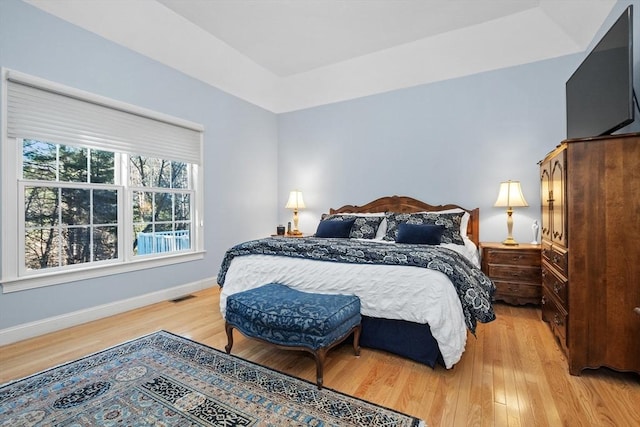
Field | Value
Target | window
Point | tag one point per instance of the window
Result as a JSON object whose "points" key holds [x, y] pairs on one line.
{"points": [[161, 205], [70, 205], [102, 187]]}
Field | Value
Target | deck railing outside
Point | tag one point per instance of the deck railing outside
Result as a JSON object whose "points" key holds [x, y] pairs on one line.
{"points": [[163, 241]]}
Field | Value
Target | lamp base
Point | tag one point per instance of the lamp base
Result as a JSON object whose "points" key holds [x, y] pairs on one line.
{"points": [[509, 242], [296, 233]]}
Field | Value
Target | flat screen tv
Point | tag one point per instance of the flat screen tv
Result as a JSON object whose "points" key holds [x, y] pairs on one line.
{"points": [[600, 92]]}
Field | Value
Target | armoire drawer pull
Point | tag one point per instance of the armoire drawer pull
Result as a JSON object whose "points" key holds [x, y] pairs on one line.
{"points": [[557, 319]]}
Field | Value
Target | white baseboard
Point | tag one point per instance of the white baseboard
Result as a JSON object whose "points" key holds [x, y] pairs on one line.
{"points": [[56, 323]]}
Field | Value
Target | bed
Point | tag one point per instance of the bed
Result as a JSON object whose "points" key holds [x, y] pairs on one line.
{"points": [[414, 266]]}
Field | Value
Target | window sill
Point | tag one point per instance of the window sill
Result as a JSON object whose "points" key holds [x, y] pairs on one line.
{"points": [[49, 279]]}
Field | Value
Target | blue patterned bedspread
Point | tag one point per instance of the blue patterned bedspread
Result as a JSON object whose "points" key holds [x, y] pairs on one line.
{"points": [[474, 288]]}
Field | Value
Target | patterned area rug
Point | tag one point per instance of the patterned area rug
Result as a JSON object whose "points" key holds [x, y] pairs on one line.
{"points": [[166, 380]]}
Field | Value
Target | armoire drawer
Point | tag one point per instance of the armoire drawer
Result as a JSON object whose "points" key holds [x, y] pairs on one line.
{"points": [[556, 256], [560, 260], [556, 285], [555, 316]]}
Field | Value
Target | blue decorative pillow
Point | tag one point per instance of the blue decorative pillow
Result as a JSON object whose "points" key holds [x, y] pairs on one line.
{"points": [[420, 234], [450, 221], [335, 228], [364, 227]]}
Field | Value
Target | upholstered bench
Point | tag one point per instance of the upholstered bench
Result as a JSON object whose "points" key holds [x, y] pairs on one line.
{"points": [[294, 320]]}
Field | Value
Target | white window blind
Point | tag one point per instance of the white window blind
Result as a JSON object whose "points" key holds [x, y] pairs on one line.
{"points": [[37, 110]]}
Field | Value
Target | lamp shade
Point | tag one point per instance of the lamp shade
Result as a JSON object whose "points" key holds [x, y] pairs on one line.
{"points": [[510, 195], [295, 200]]}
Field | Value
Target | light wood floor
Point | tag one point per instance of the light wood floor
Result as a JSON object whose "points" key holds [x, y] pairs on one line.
{"points": [[512, 374]]}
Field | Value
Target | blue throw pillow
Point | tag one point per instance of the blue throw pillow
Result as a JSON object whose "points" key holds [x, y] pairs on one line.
{"points": [[450, 221], [334, 228], [364, 227], [420, 234]]}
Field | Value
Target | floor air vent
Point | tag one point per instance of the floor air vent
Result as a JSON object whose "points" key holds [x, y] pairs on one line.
{"points": [[180, 299]]}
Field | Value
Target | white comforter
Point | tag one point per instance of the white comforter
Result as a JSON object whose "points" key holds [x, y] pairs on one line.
{"points": [[407, 293]]}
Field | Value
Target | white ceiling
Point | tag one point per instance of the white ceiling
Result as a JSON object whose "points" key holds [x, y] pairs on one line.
{"points": [[289, 37], [285, 55]]}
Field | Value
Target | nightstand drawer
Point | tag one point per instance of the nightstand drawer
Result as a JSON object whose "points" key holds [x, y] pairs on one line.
{"points": [[514, 273], [504, 290], [510, 257]]}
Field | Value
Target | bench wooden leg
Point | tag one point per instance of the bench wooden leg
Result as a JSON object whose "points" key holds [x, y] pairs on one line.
{"points": [[320, 355], [356, 340], [229, 329]]}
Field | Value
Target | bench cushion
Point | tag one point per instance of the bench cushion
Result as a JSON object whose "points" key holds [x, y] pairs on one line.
{"points": [[285, 316]]}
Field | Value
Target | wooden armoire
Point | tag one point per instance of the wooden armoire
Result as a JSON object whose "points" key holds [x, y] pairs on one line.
{"points": [[590, 191]]}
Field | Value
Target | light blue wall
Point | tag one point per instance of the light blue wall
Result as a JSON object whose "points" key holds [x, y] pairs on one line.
{"points": [[446, 142], [240, 145]]}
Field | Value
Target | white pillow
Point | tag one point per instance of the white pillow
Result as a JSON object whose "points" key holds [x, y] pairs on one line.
{"points": [[382, 230]]}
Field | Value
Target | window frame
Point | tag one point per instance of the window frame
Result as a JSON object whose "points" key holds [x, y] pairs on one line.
{"points": [[12, 274]]}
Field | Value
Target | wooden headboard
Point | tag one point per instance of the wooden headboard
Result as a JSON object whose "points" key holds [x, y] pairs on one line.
{"points": [[406, 204]]}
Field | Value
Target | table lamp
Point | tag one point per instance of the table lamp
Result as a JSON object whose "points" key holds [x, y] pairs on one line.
{"points": [[295, 202], [509, 196]]}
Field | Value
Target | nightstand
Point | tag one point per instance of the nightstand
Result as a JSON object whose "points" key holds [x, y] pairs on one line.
{"points": [[515, 270]]}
